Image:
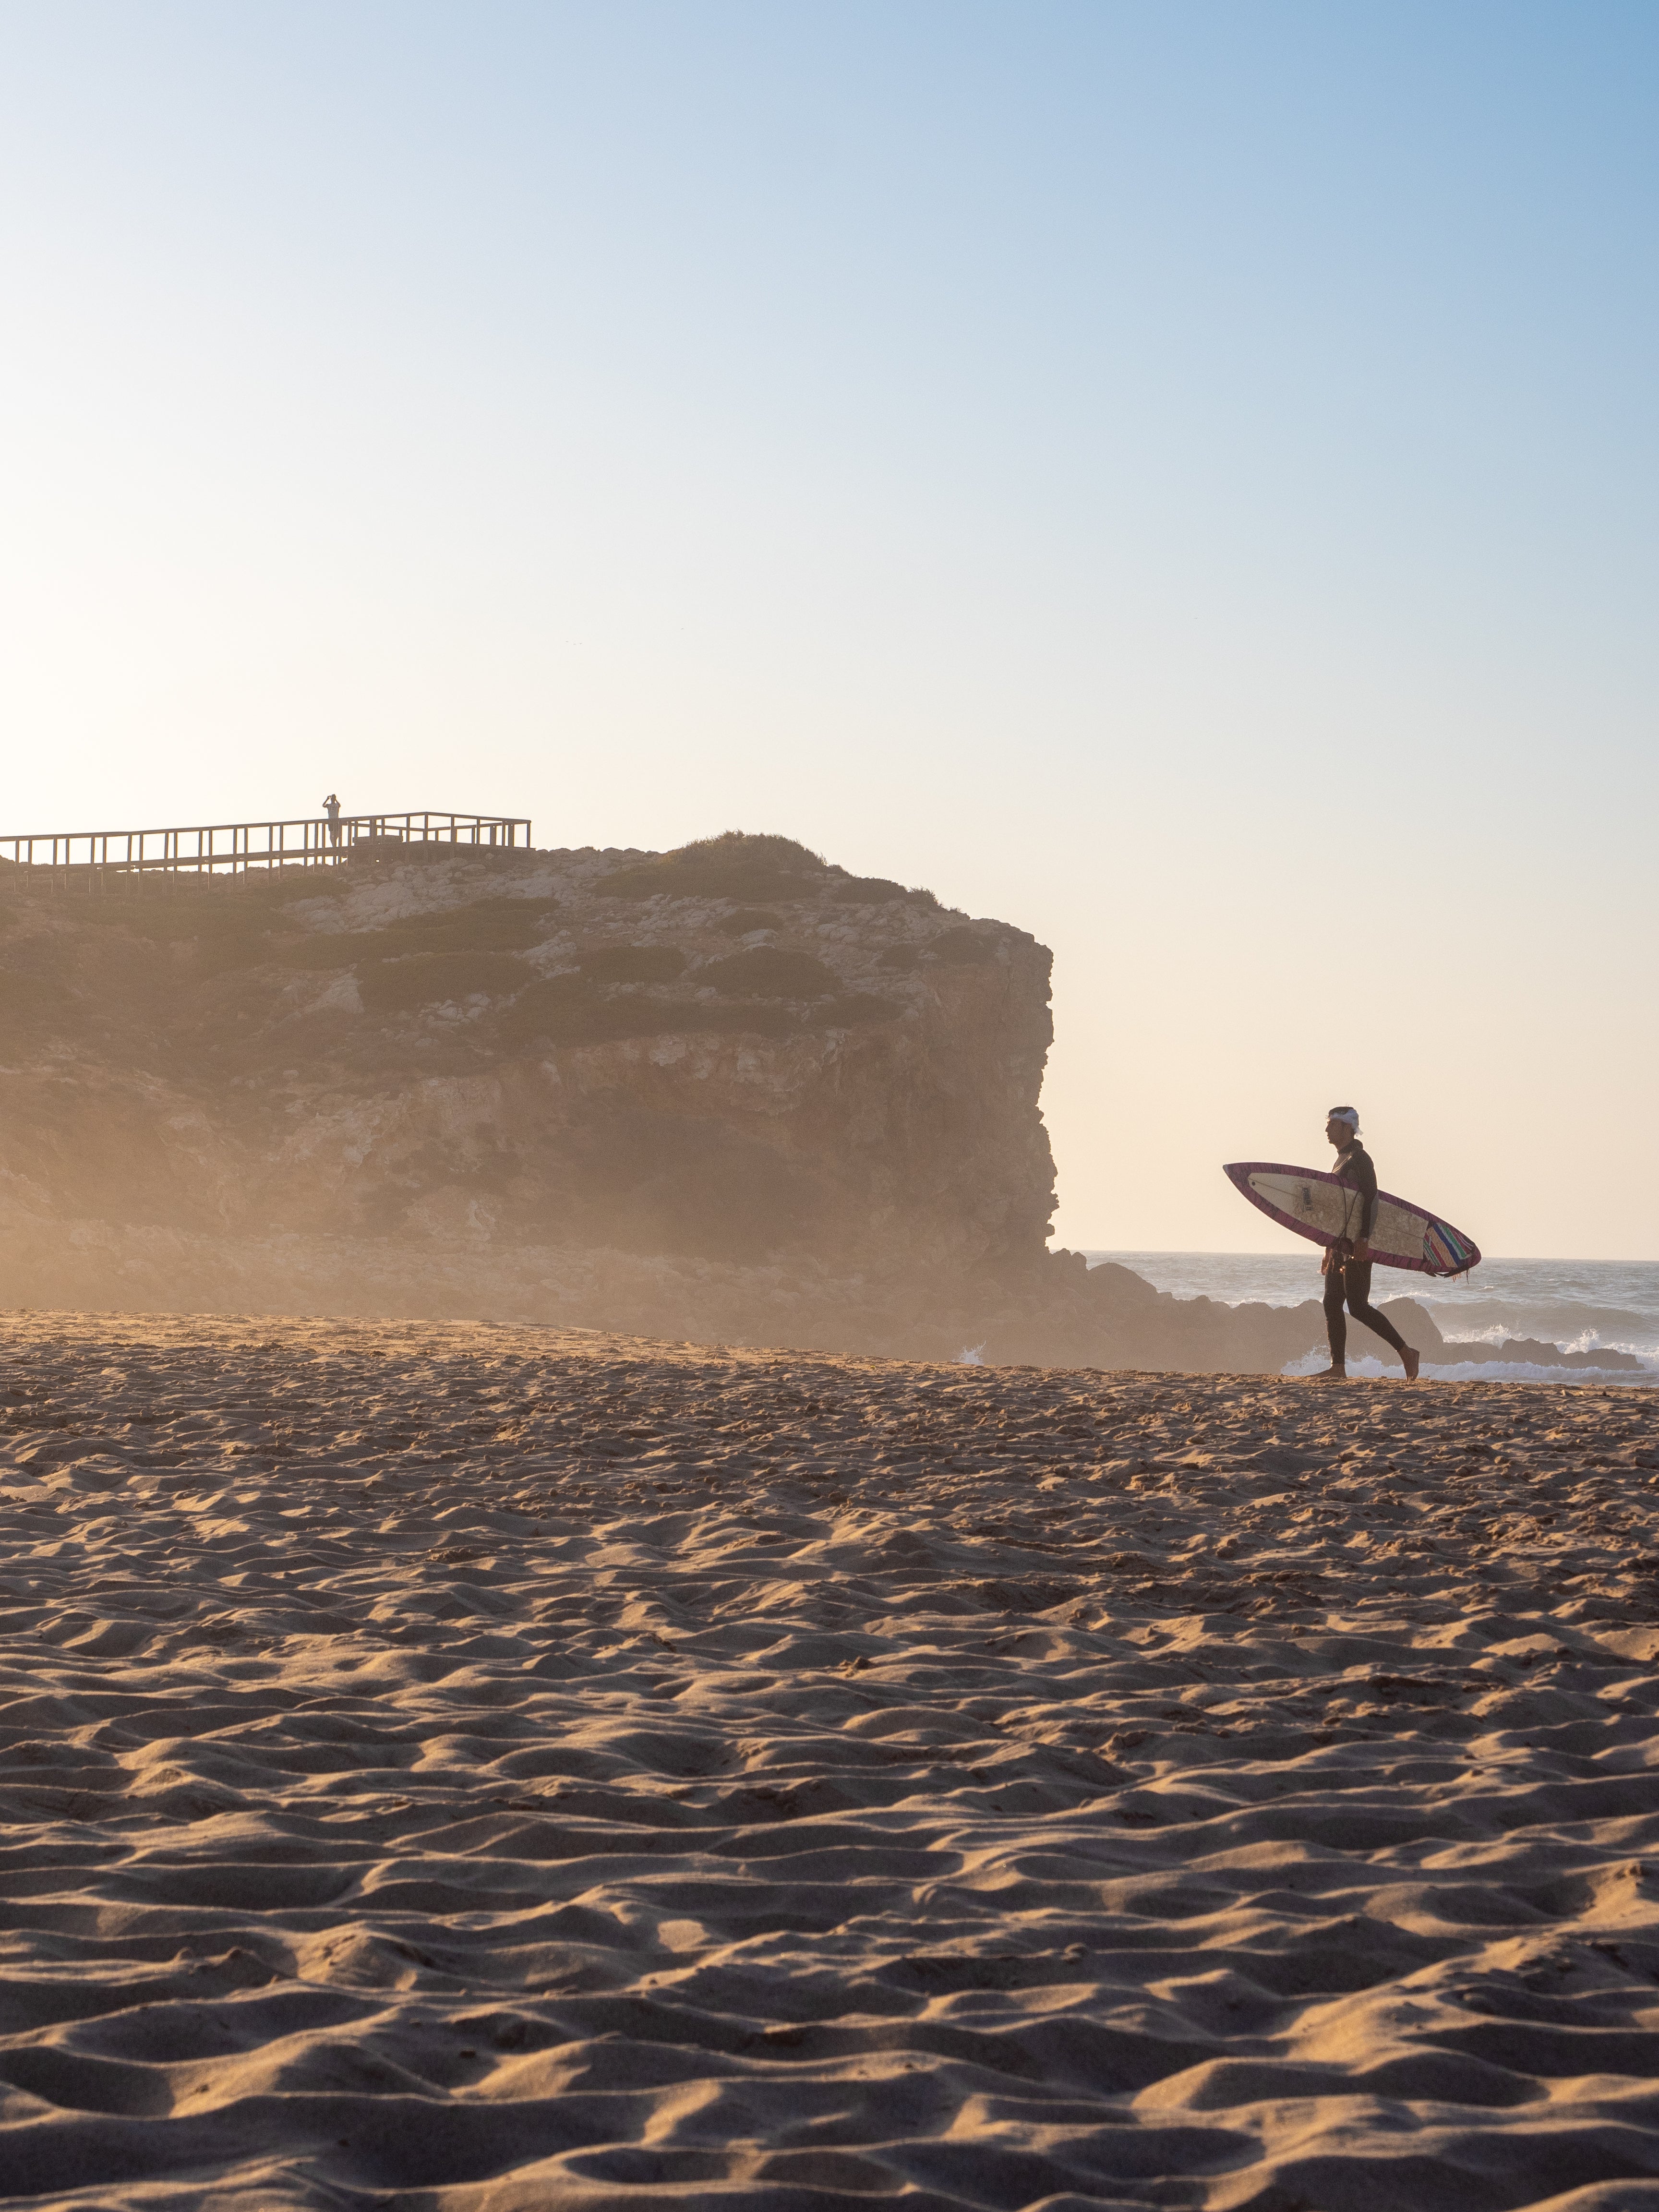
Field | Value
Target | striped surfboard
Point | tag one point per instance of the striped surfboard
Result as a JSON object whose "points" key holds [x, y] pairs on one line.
{"points": [[1316, 1205]]}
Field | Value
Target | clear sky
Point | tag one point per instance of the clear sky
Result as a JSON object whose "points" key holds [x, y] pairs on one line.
{"points": [[1181, 477]]}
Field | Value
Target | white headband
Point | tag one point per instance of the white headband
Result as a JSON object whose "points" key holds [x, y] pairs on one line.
{"points": [[1346, 1113]]}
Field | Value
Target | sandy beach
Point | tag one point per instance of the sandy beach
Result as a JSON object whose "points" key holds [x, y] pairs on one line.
{"points": [[472, 1768]]}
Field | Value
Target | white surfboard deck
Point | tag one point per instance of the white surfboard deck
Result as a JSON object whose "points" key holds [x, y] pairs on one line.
{"points": [[1314, 1203]]}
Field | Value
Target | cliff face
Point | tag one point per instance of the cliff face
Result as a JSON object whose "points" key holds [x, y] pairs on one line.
{"points": [[418, 1077]]}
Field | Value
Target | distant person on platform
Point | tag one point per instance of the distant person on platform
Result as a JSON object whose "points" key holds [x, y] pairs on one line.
{"points": [[1347, 1263], [331, 808]]}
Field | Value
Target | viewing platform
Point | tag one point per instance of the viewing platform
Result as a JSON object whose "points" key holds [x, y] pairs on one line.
{"points": [[233, 848]]}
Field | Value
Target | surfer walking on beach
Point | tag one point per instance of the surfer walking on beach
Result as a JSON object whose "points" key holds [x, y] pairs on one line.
{"points": [[1347, 1263]]}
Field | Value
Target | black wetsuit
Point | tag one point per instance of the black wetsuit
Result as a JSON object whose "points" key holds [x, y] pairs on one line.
{"points": [[1353, 1280]]}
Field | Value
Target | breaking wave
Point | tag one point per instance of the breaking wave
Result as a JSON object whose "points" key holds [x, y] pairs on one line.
{"points": [[1579, 1305], [1486, 1371]]}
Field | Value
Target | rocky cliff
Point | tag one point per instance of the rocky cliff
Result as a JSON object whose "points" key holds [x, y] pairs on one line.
{"points": [[443, 1082]]}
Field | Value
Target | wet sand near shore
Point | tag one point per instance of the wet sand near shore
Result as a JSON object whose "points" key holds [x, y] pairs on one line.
{"points": [[474, 1769]]}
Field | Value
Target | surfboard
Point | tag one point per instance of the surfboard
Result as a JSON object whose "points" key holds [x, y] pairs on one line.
{"points": [[1312, 1202]]}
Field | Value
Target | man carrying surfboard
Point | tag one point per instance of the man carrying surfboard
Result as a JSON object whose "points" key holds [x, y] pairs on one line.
{"points": [[1347, 1263]]}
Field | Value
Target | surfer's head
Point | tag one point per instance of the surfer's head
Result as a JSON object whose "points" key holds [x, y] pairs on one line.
{"points": [[1341, 1126]]}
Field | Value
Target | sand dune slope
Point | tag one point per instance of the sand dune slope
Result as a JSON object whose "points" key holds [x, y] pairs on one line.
{"points": [[472, 1770]]}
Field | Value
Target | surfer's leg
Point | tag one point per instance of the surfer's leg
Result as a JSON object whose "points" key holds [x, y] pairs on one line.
{"points": [[1357, 1277], [1336, 1329]]}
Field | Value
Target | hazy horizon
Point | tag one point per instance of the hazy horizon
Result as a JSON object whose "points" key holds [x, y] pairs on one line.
{"points": [[1180, 481]]}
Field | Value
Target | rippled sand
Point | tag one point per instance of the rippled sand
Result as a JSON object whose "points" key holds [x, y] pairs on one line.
{"points": [[491, 1769]]}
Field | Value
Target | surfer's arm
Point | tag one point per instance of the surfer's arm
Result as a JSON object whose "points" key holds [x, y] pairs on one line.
{"points": [[1366, 1178]]}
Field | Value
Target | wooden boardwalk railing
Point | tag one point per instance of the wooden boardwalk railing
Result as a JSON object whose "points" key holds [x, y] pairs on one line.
{"points": [[308, 841]]}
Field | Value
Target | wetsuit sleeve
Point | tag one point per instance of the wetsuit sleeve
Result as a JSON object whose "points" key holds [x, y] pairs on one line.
{"points": [[1364, 1176]]}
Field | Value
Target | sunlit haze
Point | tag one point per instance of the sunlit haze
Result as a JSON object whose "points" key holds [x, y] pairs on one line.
{"points": [[1180, 479]]}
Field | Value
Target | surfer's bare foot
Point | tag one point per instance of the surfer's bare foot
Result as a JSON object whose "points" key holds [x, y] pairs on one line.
{"points": [[1413, 1361], [1330, 1374]]}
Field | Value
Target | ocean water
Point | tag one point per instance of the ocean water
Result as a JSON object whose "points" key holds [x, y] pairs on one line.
{"points": [[1582, 1306]]}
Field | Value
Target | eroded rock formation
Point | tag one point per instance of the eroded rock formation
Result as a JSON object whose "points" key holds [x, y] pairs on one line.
{"points": [[438, 1082]]}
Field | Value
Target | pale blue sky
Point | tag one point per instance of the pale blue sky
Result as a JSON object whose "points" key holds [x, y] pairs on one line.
{"points": [[1181, 477]]}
